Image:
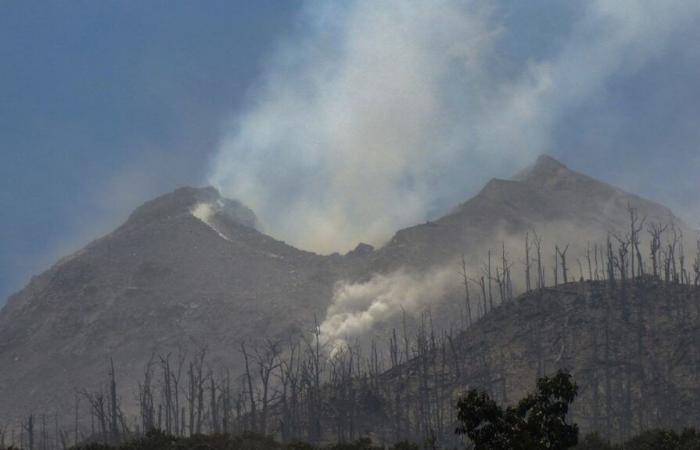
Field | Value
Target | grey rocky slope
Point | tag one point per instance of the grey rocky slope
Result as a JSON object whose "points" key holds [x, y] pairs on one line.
{"points": [[163, 279], [563, 206], [191, 268], [630, 345], [558, 205]]}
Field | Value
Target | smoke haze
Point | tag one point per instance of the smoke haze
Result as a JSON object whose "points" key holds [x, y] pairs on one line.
{"points": [[375, 112], [358, 307]]}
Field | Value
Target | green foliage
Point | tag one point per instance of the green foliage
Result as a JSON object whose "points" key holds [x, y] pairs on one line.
{"points": [[594, 442], [159, 440], [665, 440], [299, 445], [538, 421], [689, 439], [360, 444], [406, 445], [655, 440]]}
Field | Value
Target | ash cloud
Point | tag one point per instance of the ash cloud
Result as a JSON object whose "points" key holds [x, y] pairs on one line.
{"points": [[375, 113], [358, 307]]}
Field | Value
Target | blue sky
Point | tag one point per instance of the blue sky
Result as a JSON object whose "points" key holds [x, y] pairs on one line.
{"points": [[104, 105]]}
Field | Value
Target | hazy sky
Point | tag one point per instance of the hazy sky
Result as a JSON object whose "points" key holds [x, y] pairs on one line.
{"points": [[330, 111]]}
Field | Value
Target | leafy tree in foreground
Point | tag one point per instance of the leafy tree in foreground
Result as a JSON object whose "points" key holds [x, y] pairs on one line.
{"points": [[538, 421]]}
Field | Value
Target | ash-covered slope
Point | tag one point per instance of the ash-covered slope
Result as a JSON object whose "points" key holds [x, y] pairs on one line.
{"points": [[185, 269], [632, 348], [563, 206], [191, 268]]}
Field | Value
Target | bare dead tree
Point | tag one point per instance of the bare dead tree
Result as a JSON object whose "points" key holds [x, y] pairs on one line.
{"points": [[607, 351], [507, 286], [242, 414], [96, 400], [696, 264], [527, 262], [622, 260], [63, 435], [191, 396], [213, 402], [467, 300], [289, 380], [29, 429], [500, 283], [226, 402], [489, 278], [636, 226], [656, 231], [671, 255], [267, 362], [76, 436], [562, 256], [394, 348], [422, 351], [145, 399], [540, 267], [195, 390], [457, 357], [682, 273], [667, 257], [174, 377], [44, 434], [610, 263], [251, 391], [314, 370], [166, 388], [113, 406], [482, 285]]}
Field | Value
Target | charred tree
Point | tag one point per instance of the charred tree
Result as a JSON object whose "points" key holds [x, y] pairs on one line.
{"points": [[250, 391], [655, 231], [113, 407], [562, 256], [467, 300]]}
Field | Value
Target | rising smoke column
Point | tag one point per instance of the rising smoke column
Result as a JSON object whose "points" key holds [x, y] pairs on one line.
{"points": [[355, 118], [358, 307], [374, 109]]}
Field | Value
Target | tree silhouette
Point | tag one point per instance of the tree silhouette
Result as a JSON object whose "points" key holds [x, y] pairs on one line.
{"points": [[537, 421]]}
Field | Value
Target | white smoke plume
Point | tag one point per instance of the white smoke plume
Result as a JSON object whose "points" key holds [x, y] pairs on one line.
{"points": [[205, 212], [358, 307], [376, 109]]}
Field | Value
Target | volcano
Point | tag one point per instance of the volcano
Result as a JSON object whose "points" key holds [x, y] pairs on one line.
{"points": [[193, 269]]}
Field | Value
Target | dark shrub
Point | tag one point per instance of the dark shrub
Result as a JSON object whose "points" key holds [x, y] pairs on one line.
{"points": [[594, 442]]}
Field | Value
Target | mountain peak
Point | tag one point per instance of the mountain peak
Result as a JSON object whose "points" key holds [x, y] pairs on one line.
{"points": [[186, 200], [547, 162], [545, 167], [547, 171]]}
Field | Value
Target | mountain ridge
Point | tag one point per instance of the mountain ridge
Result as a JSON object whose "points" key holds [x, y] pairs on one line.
{"points": [[547, 192], [172, 275]]}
